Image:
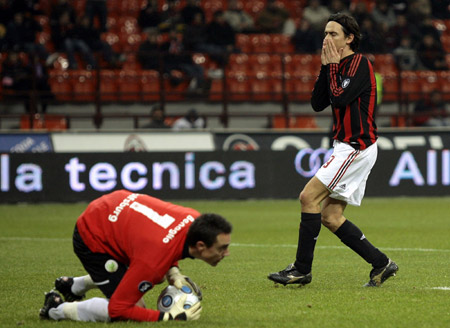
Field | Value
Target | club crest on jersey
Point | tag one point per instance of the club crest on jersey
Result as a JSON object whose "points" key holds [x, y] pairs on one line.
{"points": [[345, 83], [144, 286]]}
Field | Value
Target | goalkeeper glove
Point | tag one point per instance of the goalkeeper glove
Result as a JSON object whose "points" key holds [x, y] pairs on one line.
{"points": [[177, 312], [179, 280]]}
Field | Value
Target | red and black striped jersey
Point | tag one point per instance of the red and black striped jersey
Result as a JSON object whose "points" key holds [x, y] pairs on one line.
{"points": [[350, 88]]}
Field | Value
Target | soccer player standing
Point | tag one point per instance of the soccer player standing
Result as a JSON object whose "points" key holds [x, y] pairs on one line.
{"points": [[346, 82], [128, 243]]}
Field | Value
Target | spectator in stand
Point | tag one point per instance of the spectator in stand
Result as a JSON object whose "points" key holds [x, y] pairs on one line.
{"points": [[29, 8], [21, 36], [431, 54], [316, 14], [431, 111], [274, 19], [372, 39], [39, 82], [401, 29], [148, 52], [16, 81], [191, 121], [5, 17], [383, 14], [417, 10], [338, 6], [66, 38], [406, 55], [91, 36], [149, 16], [176, 58], [441, 9], [58, 9], [359, 11], [170, 17], [191, 9], [97, 8], [426, 27], [239, 19], [220, 35], [306, 39], [157, 118]]}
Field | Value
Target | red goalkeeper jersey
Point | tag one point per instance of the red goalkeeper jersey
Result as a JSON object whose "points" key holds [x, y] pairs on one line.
{"points": [[142, 232]]}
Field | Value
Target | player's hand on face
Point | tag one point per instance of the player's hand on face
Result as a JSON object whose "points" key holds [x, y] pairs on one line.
{"points": [[177, 279], [178, 312], [332, 55]]}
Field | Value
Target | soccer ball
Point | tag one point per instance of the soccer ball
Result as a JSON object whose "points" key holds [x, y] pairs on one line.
{"points": [[170, 295]]}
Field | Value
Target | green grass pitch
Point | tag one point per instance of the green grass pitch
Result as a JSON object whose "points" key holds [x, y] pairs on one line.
{"points": [[35, 248]]}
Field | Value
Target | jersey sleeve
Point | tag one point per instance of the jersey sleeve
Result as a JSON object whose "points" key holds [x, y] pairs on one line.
{"points": [[135, 283], [320, 96], [346, 88]]}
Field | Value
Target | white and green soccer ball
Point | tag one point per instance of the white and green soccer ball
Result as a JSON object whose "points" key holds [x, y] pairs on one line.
{"points": [[170, 295]]}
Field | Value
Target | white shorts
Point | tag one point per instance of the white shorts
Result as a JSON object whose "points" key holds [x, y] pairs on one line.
{"points": [[345, 173]]}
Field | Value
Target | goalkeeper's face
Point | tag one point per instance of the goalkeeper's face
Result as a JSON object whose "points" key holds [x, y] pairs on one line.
{"points": [[214, 254]]}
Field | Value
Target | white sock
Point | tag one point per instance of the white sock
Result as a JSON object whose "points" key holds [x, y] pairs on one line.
{"points": [[82, 284], [94, 310]]}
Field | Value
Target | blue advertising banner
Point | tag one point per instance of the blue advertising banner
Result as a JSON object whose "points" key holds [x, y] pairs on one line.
{"points": [[25, 143]]}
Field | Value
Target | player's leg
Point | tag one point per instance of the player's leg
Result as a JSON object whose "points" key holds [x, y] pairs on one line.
{"points": [[299, 272], [352, 236], [74, 288], [93, 310]]}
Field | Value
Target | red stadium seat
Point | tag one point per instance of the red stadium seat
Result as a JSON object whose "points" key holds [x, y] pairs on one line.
{"points": [[243, 43], [49, 122], [411, 89], [299, 122], [444, 82], [84, 85], [61, 85], [108, 85], [390, 87], [216, 90], [238, 88], [429, 81], [261, 43], [129, 86], [150, 85], [281, 44]]}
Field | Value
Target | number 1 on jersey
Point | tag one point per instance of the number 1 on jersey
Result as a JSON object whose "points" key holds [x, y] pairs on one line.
{"points": [[163, 221]]}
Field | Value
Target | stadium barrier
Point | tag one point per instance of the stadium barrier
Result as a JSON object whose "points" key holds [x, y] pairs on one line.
{"points": [[274, 165]]}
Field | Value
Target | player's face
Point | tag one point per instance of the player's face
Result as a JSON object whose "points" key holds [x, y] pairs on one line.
{"points": [[214, 254], [334, 32]]}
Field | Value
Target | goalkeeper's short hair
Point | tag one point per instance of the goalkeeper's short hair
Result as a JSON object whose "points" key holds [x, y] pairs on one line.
{"points": [[206, 228]]}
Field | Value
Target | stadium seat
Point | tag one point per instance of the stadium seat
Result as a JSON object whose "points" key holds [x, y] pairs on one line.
{"points": [[261, 88], [260, 43], [108, 85], [238, 88], [260, 63], [299, 122], [390, 87], [243, 43], [49, 122], [300, 85], [411, 89], [444, 82], [384, 63], [129, 86], [281, 44], [216, 90], [61, 85], [238, 62], [84, 85], [150, 85], [428, 81]]}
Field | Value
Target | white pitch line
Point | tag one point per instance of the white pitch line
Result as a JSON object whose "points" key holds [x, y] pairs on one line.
{"points": [[247, 245], [440, 288], [343, 247]]}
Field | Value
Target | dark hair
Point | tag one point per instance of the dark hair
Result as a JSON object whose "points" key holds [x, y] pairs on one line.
{"points": [[349, 26], [206, 228]]}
